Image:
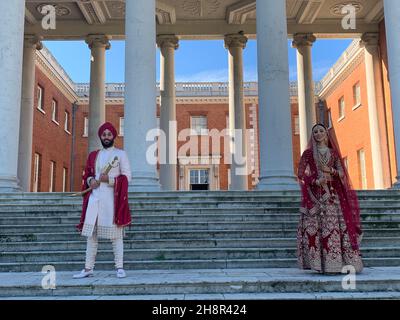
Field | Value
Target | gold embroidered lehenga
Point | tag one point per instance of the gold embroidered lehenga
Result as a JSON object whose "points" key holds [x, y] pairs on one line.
{"points": [[329, 230]]}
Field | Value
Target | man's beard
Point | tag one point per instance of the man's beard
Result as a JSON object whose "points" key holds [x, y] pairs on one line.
{"points": [[107, 143]]}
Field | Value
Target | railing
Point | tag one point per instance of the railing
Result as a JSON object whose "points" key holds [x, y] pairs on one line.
{"points": [[188, 89]]}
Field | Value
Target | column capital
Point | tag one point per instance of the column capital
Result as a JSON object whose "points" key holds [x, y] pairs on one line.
{"points": [[303, 39], [235, 40], [369, 39], [98, 40], [167, 41], [31, 40]]}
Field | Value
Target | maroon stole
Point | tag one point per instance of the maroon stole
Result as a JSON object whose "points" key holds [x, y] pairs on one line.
{"points": [[122, 215]]}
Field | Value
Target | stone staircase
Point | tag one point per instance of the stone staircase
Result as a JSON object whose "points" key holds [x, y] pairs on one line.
{"points": [[184, 230]]}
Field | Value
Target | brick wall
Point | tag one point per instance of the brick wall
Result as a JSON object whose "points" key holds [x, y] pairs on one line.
{"points": [[50, 139]]}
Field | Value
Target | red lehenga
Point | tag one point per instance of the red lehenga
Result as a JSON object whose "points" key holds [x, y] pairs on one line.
{"points": [[329, 231]]}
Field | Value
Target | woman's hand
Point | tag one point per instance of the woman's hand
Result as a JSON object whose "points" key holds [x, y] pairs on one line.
{"points": [[326, 169], [320, 182]]}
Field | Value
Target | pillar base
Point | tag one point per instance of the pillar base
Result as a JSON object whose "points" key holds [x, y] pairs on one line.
{"points": [[396, 185], [277, 183], [9, 184], [144, 182]]}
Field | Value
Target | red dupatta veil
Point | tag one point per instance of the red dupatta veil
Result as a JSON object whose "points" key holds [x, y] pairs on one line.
{"points": [[310, 171]]}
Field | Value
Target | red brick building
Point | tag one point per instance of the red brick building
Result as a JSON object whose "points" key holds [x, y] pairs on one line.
{"points": [[61, 112]]}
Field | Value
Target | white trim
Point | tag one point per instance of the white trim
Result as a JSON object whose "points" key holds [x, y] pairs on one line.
{"points": [[41, 110], [356, 106], [52, 171], [36, 169], [57, 123], [85, 127], [64, 181], [341, 118]]}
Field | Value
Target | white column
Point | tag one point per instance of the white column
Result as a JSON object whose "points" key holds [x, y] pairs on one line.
{"points": [[168, 44], [392, 21], [97, 105], [371, 41], [140, 91], [235, 43], [11, 50], [31, 44], [305, 84], [276, 155]]}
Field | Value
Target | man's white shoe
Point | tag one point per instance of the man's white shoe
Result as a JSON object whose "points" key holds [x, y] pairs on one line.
{"points": [[121, 273], [83, 274]]}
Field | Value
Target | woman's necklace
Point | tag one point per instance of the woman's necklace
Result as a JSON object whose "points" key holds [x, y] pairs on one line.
{"points": [[324, 155]]}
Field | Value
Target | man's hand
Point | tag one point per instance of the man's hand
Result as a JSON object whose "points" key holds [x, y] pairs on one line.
{"points": [[104, 178], [94, 184]]}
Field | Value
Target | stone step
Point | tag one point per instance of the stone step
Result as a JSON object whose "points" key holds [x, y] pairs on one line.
{"points": [[286, 296], [175, 225], [161, 254], [193, 282], [181, 234], [149, 217], [197, 194], [179, 243], [44, 211], [181, 264]]}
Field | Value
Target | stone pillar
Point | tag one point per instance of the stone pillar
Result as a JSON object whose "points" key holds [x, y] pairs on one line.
{"points": [[97, 105], [306, 94], [372, 64], [168, 44], [276, 154], [31, 44], [140, 92], [11, 50], [392, 20], [235, 43]]}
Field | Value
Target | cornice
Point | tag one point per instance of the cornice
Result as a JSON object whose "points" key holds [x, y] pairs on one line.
{"points": [[344, 73]]}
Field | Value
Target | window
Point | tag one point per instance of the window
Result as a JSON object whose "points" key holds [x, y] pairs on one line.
{"points": [[341, 108], [198, 125], [199, 176], [54, 111], [329, 119], [121, 126], [36, 172], [227, 121], [362, 169], [296, 125], [356, 95], [64, 181], [346, 163], [66, 122], [85, 126], [40, 98], [52, 175]]}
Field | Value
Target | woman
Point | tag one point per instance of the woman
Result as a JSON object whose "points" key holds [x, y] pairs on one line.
{"points": [[329, 230]]}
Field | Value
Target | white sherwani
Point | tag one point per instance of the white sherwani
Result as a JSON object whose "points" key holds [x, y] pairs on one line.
{"points": [[99, 217]]}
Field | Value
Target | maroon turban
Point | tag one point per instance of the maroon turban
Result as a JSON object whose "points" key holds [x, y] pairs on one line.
{"points": [[108, 126]]}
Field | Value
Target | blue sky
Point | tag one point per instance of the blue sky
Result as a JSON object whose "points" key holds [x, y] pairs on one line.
{"points": [[201, 60]]}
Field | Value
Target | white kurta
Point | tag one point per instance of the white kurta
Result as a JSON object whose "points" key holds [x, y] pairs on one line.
{"points": [[99, 217]]}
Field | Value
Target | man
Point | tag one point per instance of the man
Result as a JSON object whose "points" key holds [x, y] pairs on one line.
{"points": [[105, 210]]}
